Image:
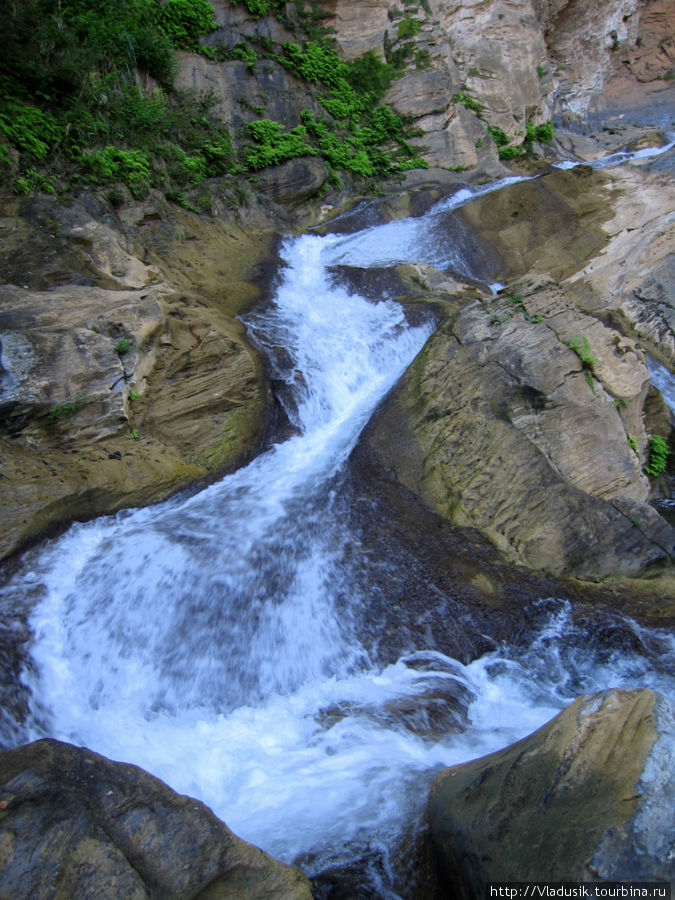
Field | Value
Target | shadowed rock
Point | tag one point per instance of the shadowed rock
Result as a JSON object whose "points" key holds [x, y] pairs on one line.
{"points": [[588, 797], [74, 824]]}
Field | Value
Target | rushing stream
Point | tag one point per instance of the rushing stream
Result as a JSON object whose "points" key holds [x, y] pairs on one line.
{"points": [[212, 640]]}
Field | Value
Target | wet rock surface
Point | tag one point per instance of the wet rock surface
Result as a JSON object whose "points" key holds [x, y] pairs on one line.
{"points": [[585, 798], [73, 823]]}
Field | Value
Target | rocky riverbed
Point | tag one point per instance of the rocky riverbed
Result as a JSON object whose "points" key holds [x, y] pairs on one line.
{"points": [[510, 458]]}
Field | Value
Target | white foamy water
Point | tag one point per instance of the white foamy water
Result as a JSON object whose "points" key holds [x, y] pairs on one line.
{"points": [[618, 158], [211, 640], [664, 380]]}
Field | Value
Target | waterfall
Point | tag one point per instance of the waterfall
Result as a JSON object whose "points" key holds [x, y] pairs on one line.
{"points": [[212, 640]]}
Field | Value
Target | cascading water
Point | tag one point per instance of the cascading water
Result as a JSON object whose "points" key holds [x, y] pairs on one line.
{"points": [[212, 640]]}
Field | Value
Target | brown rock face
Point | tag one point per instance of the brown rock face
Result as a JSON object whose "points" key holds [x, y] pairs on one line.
{"points": [[586, 798], [499, 427], [120, 387], [74, 824], [524, 414]]}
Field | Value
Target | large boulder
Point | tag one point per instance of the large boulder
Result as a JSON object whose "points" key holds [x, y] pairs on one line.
{"points": [[74, 824], [124, 374], [588, 797], [500, 426]]}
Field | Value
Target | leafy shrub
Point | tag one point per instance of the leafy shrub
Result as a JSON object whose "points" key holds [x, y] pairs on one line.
{"points": [[408, 28], [5, 162], [369, 75], [32, 180], [68, 82], [115, 164], [509, 152], [467, 101], [123, 346], [498, 135], [543, 133], [29, 129], [185, 21], [273, 145], [246, 53]]}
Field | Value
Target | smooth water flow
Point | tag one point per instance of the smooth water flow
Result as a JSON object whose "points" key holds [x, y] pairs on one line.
{"points": [[213, 641]]}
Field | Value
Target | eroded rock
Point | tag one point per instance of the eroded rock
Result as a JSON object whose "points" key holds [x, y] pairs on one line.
{"points": [[500, 426], [75, 824], [116, 392], [588, 797]]}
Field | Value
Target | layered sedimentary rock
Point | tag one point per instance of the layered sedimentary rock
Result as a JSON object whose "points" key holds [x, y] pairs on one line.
{"points": [[588, 797], [501, 427], [117, 386], [74, 824]]}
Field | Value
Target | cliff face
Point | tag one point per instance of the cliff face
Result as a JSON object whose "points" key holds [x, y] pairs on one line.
{"points": [[464, 65], [513, 63], [123, 374]]}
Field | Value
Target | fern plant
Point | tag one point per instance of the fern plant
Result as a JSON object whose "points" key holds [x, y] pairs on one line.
{"points": [[658, 456]]}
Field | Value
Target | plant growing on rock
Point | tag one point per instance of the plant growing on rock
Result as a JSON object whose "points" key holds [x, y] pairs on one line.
{"points": [[122, 346], [658, 456], [582, 348], [68, 409], [468, 102], [72, 105]]}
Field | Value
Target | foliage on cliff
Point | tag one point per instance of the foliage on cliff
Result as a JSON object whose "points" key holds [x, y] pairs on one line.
{"points": [[351, 137], [87, 97]]}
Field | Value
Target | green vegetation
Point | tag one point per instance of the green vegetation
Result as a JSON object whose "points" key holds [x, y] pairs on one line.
{"points": [[517, 300], [350, 138], [499, 136], [467, 101], [582, 348], [72, 106], [632, 443], [261, 8], [501, 139], [69, 408], [658, 456], [122, 346], [245, 52], [408, 27], [273, 145], [133, 394], [542, 134], [185, 21], [87, 98], [134, 434]]}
